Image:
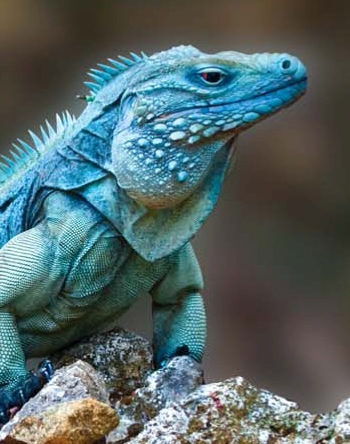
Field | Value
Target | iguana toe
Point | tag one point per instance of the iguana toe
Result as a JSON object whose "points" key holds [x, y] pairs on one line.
{"points": [[46, 370]]}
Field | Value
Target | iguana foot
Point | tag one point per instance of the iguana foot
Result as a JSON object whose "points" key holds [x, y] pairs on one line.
{"points": [[183, 350], [14, 395]]}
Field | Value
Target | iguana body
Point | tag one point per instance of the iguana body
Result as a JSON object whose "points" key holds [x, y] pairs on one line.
{"points": [[104, 210]]}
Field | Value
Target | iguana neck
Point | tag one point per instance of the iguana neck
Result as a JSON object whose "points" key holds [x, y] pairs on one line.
{"points": [[93, 138], [151, 233], [157, 233]]}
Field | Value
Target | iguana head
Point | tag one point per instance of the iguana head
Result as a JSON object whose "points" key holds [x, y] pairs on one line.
{"points": [[163, 128], [180, 107]]}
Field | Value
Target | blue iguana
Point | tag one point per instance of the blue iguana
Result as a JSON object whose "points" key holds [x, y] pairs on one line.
{"points": [[102, 208]]}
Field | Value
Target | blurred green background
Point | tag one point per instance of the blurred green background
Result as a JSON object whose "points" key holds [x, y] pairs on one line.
{"points": [[276, 251]]}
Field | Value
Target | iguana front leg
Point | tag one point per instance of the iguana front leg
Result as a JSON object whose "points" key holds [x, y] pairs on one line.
{"points": [[27, 272], [179, 329], [178, 311], [17, 385]]}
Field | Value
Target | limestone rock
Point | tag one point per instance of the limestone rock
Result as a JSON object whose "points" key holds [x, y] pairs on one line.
{"points": [[163, 387], [172, 383], [340, 419], [122, 358], [74, 422], [71, 383], [235, 412], [167, 406]]}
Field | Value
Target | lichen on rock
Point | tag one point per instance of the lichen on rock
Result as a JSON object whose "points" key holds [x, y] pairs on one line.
{"points": [[234, 411], [122, 358], [73, 422], [114, 398]]}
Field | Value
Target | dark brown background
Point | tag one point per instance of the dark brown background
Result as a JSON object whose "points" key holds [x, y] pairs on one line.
{"points": [[276, 251]]}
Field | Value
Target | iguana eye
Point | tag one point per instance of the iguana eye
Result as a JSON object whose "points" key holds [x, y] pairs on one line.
{"points": [[212, 76]]}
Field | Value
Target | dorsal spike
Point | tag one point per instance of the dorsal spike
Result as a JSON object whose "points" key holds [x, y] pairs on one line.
{"points": [[24, 154], [101, 74], [72, 117], [27, 148], [69, 117], [44, 134], [96, 71], [21, 153], [97, 79], [120, 66], [50, 129], [59, 124], [5, 169], [136, 57], [108, 69], [8, 162], [92, 86], [17, 158], [38, 143], [126, 61]]}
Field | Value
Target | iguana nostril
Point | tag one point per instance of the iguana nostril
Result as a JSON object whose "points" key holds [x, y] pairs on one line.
{"points": [[286, 64]]}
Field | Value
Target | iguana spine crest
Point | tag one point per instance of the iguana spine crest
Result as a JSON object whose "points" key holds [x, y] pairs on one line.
{"points": [[25, 153], [108, 72]]}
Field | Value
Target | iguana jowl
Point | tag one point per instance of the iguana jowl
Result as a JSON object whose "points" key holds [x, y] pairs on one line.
{"points": [[103, 208]]}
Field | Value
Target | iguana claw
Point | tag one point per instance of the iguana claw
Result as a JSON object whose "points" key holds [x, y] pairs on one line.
{"points": [[14, 395], [46, 370]]}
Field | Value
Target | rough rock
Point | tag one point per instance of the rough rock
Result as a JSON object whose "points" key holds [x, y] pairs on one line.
{"points": [[236, 412], [164, 407], [168, 385], [341, 423], [74, 422], [123, 359], [71, 383]]}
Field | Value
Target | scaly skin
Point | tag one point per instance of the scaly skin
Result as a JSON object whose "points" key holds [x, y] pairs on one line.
{"points": [[104, 210]]}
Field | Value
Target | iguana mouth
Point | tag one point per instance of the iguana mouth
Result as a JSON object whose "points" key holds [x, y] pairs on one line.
{"points": [[300, 84]]}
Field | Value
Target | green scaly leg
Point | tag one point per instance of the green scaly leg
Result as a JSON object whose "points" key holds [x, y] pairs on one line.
{"points": [[179, 329], [24, 265]]}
